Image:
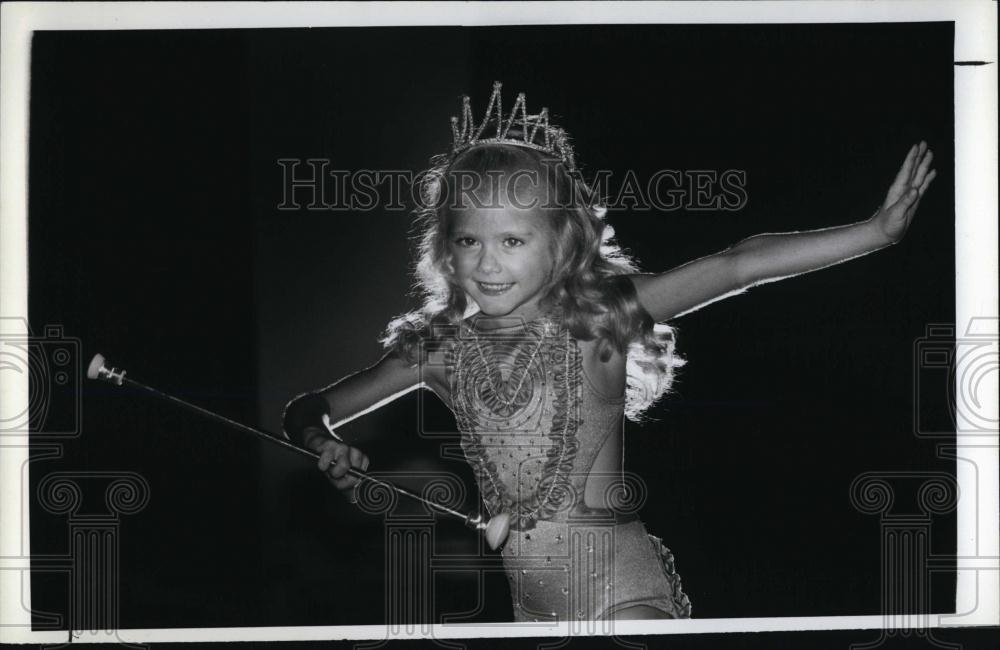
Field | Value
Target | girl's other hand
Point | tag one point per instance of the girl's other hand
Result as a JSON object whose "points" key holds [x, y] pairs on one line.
{"points": [[335, 458], [901, 202]]}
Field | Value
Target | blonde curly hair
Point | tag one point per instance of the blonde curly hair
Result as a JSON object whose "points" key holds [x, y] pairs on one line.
{"points": [[588, 285]]}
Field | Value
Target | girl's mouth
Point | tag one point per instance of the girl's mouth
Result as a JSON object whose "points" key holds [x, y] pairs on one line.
{"points": [[494, 288]]}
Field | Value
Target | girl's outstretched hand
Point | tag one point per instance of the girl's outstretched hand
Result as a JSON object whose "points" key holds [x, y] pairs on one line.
{"points": [[901, 202]]}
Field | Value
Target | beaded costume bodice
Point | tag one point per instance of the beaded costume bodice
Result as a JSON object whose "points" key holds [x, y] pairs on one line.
{"points": [[531, 424]]}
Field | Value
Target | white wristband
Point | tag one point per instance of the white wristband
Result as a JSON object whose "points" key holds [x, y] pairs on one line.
{"points": [[329, 427]]}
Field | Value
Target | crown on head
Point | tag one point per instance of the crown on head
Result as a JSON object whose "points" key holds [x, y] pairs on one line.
{"points": [[536, 132]]}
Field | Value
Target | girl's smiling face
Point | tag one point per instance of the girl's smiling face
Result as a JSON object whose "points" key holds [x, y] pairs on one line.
{"points": [[501, 256]]}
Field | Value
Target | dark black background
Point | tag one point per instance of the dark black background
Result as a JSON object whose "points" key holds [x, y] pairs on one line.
{"points": [[155, 238]]}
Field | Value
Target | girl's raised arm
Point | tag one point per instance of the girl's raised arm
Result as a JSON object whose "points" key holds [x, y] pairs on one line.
{"points": [[770, 257]]}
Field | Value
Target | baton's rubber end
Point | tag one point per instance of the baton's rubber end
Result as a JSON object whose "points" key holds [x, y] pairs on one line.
{"points": [[93, 370], [497, 530]]}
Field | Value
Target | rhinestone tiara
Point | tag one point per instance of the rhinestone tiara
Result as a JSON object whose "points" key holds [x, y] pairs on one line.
{"points": [[494, 129]]}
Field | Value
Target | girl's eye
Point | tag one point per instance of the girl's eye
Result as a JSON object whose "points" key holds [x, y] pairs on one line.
{"points": [[465, 242], [513, 242]]}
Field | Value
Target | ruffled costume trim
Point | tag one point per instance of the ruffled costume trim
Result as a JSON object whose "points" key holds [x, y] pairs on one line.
{"points": [[679, 599]]}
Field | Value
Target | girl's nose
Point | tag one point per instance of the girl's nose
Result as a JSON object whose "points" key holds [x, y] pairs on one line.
{"points": [[488, 262]]}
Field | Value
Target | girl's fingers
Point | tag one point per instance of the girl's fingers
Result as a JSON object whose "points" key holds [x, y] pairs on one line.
{"points": [[922, 168], [917, 160], [357, 460], [920, 193], [356, 457], [335, 461], [903, 176], [927, 181], [901, 207], [326, 458], [340, 468], [345, 483]]}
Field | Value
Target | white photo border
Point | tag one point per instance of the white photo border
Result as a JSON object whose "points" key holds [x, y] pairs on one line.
{"points": [[978, 551]]}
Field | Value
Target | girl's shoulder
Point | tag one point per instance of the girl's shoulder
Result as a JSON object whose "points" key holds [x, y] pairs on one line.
{"points": [[433, 350]]}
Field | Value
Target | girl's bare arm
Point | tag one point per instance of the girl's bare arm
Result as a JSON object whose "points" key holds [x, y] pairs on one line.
{"points": [[370, 389], [364, 391], [343, 401], [770, 257]]}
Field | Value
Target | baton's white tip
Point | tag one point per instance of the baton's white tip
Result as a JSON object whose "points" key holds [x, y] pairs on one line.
{"points": [[95, 365]]}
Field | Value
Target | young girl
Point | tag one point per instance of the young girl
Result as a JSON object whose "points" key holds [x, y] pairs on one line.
{"points": [[540, 335]]}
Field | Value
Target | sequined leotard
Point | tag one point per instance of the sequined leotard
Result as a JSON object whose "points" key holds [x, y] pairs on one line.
{"points": [[532, 426]]}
